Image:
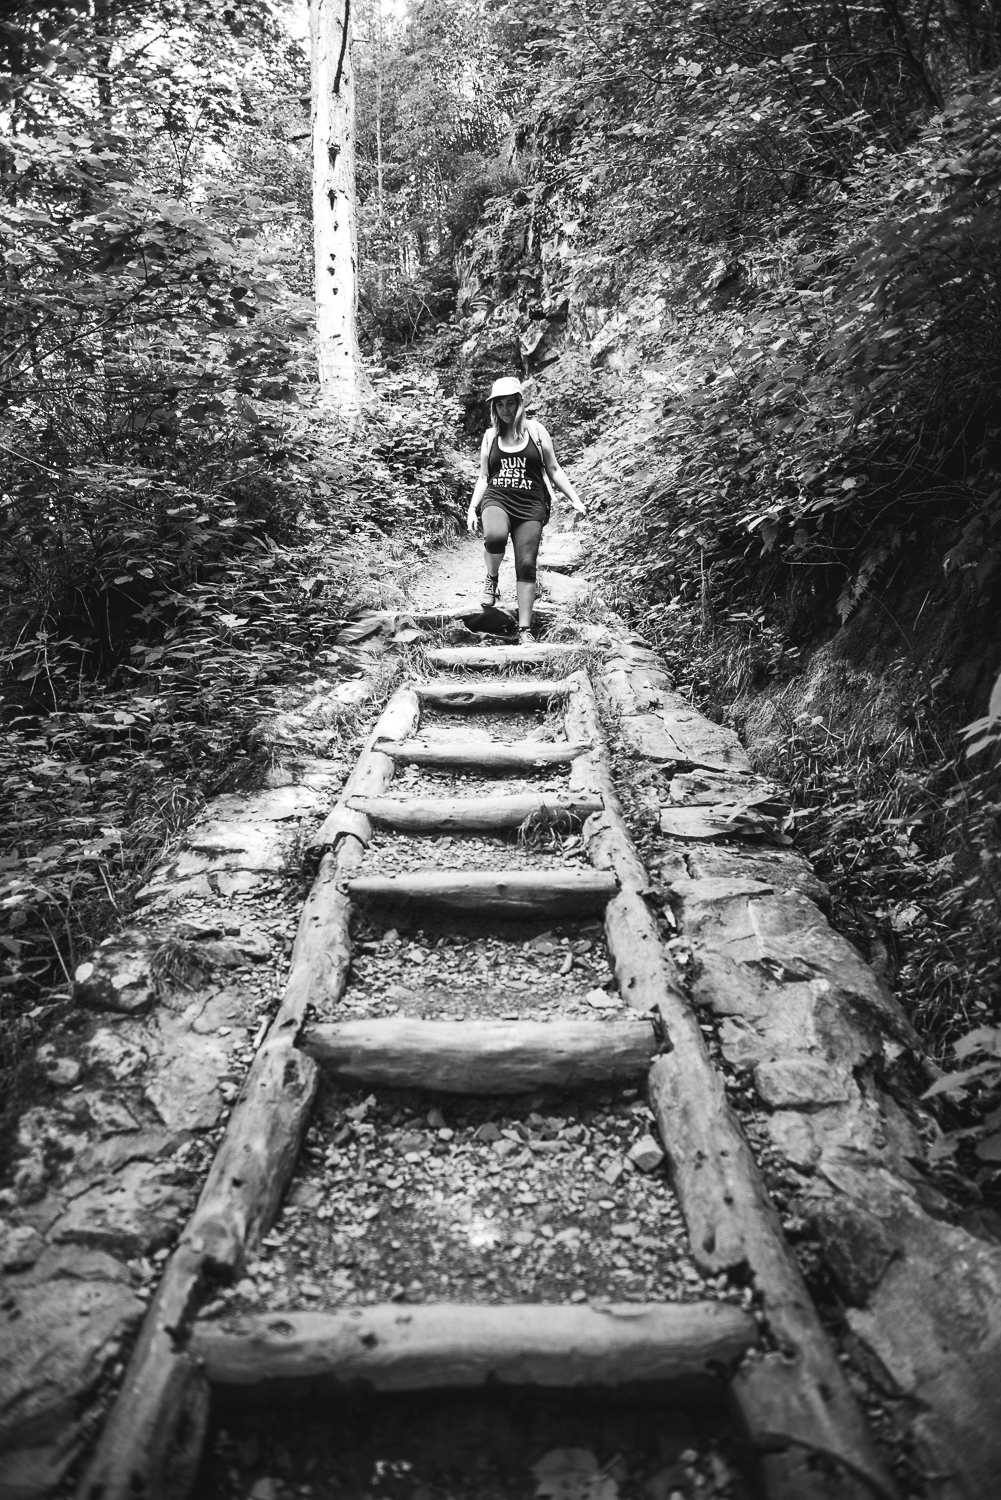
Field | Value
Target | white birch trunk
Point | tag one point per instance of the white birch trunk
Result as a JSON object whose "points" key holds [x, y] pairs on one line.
{"points": [[343, 383]]}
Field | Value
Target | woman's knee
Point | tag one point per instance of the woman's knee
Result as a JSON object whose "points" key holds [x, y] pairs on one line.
{"points": [[495, 532]]}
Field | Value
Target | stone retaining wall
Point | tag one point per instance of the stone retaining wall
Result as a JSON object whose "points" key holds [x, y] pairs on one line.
{"points": [[803, 1021]]}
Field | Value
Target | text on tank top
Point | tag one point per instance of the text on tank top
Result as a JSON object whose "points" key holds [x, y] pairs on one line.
{"points": [[519, 473]]}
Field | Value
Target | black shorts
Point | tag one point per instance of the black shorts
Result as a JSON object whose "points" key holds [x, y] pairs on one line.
{"points": [[517, 507]]}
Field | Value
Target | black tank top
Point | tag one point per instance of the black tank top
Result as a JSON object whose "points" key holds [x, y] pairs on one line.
{"points": [[517, 473]]}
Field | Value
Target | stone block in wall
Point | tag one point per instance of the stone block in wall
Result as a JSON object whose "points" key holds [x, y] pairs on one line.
{"points": [[792, 1082], [133, 1211], [274, 805], [782, 869], [646, 735], [659, 724], [869, 1122], [706, 788], [699, 741], [239, 846], [118, 975], [560, 590], [127, 973], [856, 1246], [56, 1341], [742, 821], [926, 1310], [561, 552], [193, 1058]]}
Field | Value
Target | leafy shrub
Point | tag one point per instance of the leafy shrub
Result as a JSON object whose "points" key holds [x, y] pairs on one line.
{"points": [[397, 309], [477, 182], [182, 530], [980, 1051]]}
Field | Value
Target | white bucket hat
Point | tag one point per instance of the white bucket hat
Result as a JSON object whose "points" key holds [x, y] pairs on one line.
{"points": [[507, 385]]}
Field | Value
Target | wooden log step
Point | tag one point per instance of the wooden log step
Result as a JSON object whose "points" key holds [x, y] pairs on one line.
{"points": [[516, 692], [482, 1057], [441, 814], [499, 656], [483, 755], [449, 1345], [500, 893]]}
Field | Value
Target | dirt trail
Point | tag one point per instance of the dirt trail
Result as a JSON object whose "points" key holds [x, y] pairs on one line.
{"points": [[453, 578]]}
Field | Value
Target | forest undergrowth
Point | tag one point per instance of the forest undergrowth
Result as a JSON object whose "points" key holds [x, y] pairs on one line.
{"points": [[149, 668], [184, 526]]}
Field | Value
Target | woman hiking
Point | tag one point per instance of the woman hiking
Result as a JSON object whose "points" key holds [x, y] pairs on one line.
{"points": [[510, 496]]}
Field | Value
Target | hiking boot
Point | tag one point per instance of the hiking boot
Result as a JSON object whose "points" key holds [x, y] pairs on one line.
{"points": [[491, 592]]}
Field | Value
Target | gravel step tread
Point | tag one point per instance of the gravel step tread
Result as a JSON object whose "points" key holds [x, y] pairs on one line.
{"points": [[468, 1201]]}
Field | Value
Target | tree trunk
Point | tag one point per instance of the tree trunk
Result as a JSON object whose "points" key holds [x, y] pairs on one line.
{"points": [[343, 383], [102, 57]]}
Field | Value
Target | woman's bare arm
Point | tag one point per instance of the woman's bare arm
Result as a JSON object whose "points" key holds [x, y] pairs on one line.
{"points": [[480, 487], [561, 480]]}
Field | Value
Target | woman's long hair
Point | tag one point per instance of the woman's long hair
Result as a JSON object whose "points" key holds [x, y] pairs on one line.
{"points": [[517, 431]]}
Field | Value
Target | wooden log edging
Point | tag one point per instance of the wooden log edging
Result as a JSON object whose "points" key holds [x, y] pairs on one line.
{"points": [[371, 774], [501, 893], [156, 1425], [483, 1057], [158, 1422], [609, 844], [441, 814], [797, 1396], [450, 1345], [483, 755]]}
